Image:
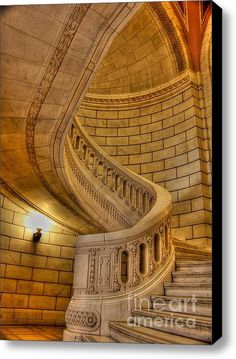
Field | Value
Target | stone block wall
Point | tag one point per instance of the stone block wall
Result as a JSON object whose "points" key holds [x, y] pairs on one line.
{"points": [[138, 59], [36, 278], [163, 137]]}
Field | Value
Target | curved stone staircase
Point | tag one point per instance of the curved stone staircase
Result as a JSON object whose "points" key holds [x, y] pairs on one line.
{"points": [[186, 301], [127, 285]]}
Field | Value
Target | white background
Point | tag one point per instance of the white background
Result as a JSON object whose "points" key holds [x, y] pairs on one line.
{"points": [[226, 346]]}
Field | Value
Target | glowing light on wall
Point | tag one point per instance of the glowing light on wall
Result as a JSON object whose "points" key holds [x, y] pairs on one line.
{"points": [[39, 222]]}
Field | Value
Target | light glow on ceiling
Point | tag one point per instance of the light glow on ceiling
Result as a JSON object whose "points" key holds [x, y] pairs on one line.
{"points": [[37, 220]]}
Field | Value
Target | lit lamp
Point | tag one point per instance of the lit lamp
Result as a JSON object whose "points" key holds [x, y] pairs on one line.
{"points": [[37, 235], [39, 222]]}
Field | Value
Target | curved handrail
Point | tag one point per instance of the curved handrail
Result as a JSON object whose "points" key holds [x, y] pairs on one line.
{"points": [[87, 149], [103, 182], [131, 260]]}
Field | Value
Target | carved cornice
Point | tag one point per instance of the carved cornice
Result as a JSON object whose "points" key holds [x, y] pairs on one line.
{"points": [[145, 96], [171, 34]]}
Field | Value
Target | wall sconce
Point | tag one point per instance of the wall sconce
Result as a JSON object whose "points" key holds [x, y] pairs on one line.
{"points": [[37, 223], [37, 235]]}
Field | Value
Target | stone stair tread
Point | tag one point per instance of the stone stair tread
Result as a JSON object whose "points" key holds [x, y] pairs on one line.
{"points": [[202, 320], [203, 300], [190, 274], [97, 338], [186, 285], [193, 262], [153, 336], [178, 242], [189, 250]]}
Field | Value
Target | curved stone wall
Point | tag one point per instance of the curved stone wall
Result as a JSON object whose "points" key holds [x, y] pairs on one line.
{"points": [[160, 135], [48, 56], [36, 278], [139, 58]]}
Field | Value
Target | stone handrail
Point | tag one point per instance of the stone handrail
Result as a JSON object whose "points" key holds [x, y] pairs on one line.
{"points": [[133, 261], [132, 189]]}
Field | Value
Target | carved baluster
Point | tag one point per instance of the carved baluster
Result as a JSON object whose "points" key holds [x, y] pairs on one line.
{"points": [[95, 166], [104, 177], [77, 143], [128, 193], [148, 198], [91, 160], [73, 138], [116, 269], [131, 194], [87, 157], [144, 202], [109, 178], [138, 190], [120, 192], [125, 189], [113, 180], [81, 149], [72, 130], [162, 235], [150, 247]]}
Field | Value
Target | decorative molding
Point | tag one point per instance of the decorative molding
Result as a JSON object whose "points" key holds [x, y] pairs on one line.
{"points": [[111, 177], [82, 319], [171, 34], [70, 30], [72, 25], [111, 280], [96, 197], [109, 258], [157, 92]]}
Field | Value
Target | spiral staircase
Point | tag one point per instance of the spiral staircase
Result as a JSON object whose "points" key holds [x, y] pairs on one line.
{"points": [[134, 283]]}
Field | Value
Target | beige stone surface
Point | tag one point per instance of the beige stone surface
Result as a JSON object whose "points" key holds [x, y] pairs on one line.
{"points": [[33, 275], [165, 144], [155, 122], [37, 86], [138, 58]]}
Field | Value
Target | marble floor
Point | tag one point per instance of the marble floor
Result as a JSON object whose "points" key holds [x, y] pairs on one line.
{"points": [[31, 332]]}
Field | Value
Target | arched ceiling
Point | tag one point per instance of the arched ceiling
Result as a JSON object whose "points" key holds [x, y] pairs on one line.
{"points": [[50, 54], [139, 58]]}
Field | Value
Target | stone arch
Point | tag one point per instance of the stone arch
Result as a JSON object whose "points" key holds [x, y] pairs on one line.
{"points": [[47, 106]]}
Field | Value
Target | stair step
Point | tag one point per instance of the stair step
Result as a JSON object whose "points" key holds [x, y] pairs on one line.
{"points": [[193, 266], [182, 304], [96, 339], [182, 255], [124, 333], [188, 289], [188, 325], [192, 277], [186, 251]]}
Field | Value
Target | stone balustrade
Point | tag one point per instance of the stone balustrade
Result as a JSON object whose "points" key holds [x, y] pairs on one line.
{"points": [[111, 269], [110, 174], [91, 195]]}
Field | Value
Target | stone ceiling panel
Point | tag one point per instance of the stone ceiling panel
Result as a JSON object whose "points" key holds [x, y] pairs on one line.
{"points": [[139, 58], [45, 71]]}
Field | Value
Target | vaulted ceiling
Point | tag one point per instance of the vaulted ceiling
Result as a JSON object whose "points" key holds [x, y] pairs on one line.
{"points": [[139, 58], [50, 54]]}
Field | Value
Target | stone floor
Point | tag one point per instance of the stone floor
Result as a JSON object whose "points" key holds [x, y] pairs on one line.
{"points": [[31, 332]]}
